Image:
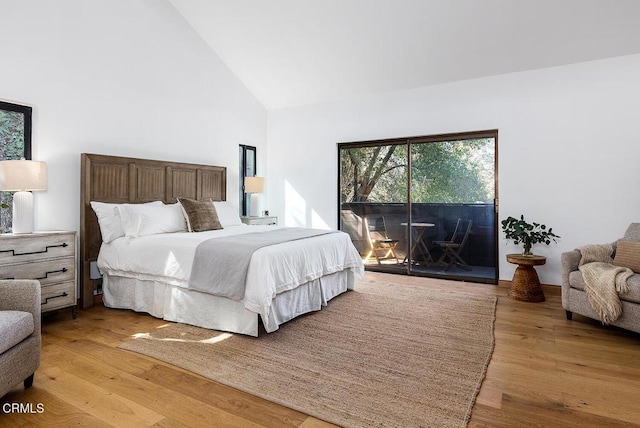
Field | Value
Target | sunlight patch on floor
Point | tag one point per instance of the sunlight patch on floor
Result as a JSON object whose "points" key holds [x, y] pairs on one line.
{"points": [[219, 338]]}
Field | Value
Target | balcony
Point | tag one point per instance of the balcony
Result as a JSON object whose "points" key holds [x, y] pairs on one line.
{"points": [[439, 221]]}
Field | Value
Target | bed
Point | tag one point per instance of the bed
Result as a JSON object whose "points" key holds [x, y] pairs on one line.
{"points": [[151, 272]]}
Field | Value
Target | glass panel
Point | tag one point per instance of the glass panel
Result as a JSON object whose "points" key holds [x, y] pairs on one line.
{"points": [[453, 213], [247, 169], [373, 203], [250, 166], [241, 180], [15, 143]]}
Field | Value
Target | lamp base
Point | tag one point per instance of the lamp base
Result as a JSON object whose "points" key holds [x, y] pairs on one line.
{"points": [[22, 212], [254, 205]]}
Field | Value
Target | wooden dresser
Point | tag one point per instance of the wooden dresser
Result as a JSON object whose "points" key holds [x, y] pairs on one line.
{"points": [[49, 257]]}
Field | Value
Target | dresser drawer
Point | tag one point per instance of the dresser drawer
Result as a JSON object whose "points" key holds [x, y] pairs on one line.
{"points": [[58, 296], [26, 248], [46, 271]]}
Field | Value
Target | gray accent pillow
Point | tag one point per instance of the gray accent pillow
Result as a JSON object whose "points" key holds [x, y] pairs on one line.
{"points": [[200, 215], [595, 253]]}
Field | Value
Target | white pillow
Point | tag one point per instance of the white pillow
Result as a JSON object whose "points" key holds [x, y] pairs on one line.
{"points": [[141, 220], [227, 214], [109, 219]]}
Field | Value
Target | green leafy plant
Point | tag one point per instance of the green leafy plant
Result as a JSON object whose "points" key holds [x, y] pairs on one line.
{"points": [[527, 234]]}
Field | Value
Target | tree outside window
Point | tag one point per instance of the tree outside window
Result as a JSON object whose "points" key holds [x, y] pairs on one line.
{"points": [[450, 171], [15, 143]]}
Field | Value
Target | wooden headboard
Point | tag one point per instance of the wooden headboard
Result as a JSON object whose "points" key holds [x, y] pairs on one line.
{"points": [[129, 180]]}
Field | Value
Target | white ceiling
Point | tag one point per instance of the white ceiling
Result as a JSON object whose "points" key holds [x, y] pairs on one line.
{"points": [[296, 52]]}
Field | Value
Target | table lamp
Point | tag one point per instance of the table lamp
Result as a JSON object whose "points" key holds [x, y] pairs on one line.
{"points": [[22, 176], [254, 186]]}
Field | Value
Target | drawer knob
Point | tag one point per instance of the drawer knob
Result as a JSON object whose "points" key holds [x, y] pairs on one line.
{"points": [[64, 294], [46, 274], [46, 250]]}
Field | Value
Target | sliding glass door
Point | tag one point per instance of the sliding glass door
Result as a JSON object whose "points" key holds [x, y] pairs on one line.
{"points": [[423, 205], [373, 202]]}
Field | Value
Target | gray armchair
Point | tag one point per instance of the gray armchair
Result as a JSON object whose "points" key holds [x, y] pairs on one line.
{"points": [[19, 332], [574, 296]]}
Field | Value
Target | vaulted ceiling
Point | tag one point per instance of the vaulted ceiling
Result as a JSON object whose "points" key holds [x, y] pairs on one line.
{"points": [[297, 52]]}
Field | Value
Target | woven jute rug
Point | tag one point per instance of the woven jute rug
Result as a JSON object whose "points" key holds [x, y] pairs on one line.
{"points": [[382, 355]]}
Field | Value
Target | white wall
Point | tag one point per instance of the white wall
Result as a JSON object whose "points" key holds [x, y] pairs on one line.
{"points": [[119, 77], [569, 148], [131, 78]]}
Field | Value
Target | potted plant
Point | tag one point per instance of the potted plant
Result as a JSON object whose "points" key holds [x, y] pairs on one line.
{"points": [[527, 234]]}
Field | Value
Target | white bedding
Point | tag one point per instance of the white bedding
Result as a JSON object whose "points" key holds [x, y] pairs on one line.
{"points": [[167, 258]]}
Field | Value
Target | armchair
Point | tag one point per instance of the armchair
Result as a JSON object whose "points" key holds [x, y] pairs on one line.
{"points": [[19, 332], [574, 296]]}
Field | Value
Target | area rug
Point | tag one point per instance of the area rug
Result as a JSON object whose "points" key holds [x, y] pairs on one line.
{"points": [[383, 355]]}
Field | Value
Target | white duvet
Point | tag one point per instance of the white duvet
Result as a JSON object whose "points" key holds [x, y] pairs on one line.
{"points": [[168, 257]]}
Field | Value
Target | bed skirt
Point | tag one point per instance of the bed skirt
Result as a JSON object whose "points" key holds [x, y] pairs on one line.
{"points": [[178, 304]]}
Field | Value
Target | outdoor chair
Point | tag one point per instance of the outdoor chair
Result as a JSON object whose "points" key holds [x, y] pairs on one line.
{"points": [[452, 248], [381, 246]]}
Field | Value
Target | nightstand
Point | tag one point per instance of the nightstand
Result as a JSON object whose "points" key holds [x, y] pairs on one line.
{"points": [[268, 220], [49, 257]]}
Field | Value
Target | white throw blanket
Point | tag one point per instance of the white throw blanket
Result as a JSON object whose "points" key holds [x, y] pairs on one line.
{"points": [[603, 283]]}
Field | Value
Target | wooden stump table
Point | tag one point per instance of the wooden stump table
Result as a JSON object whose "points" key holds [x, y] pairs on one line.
{"points": [[525, 285]]}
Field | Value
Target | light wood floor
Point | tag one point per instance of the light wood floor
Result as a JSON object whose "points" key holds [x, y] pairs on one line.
{"points": [[545, 371]]}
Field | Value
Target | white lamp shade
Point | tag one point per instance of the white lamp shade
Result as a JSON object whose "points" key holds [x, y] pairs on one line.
{"points": [[253, 184], [20, 175]]}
